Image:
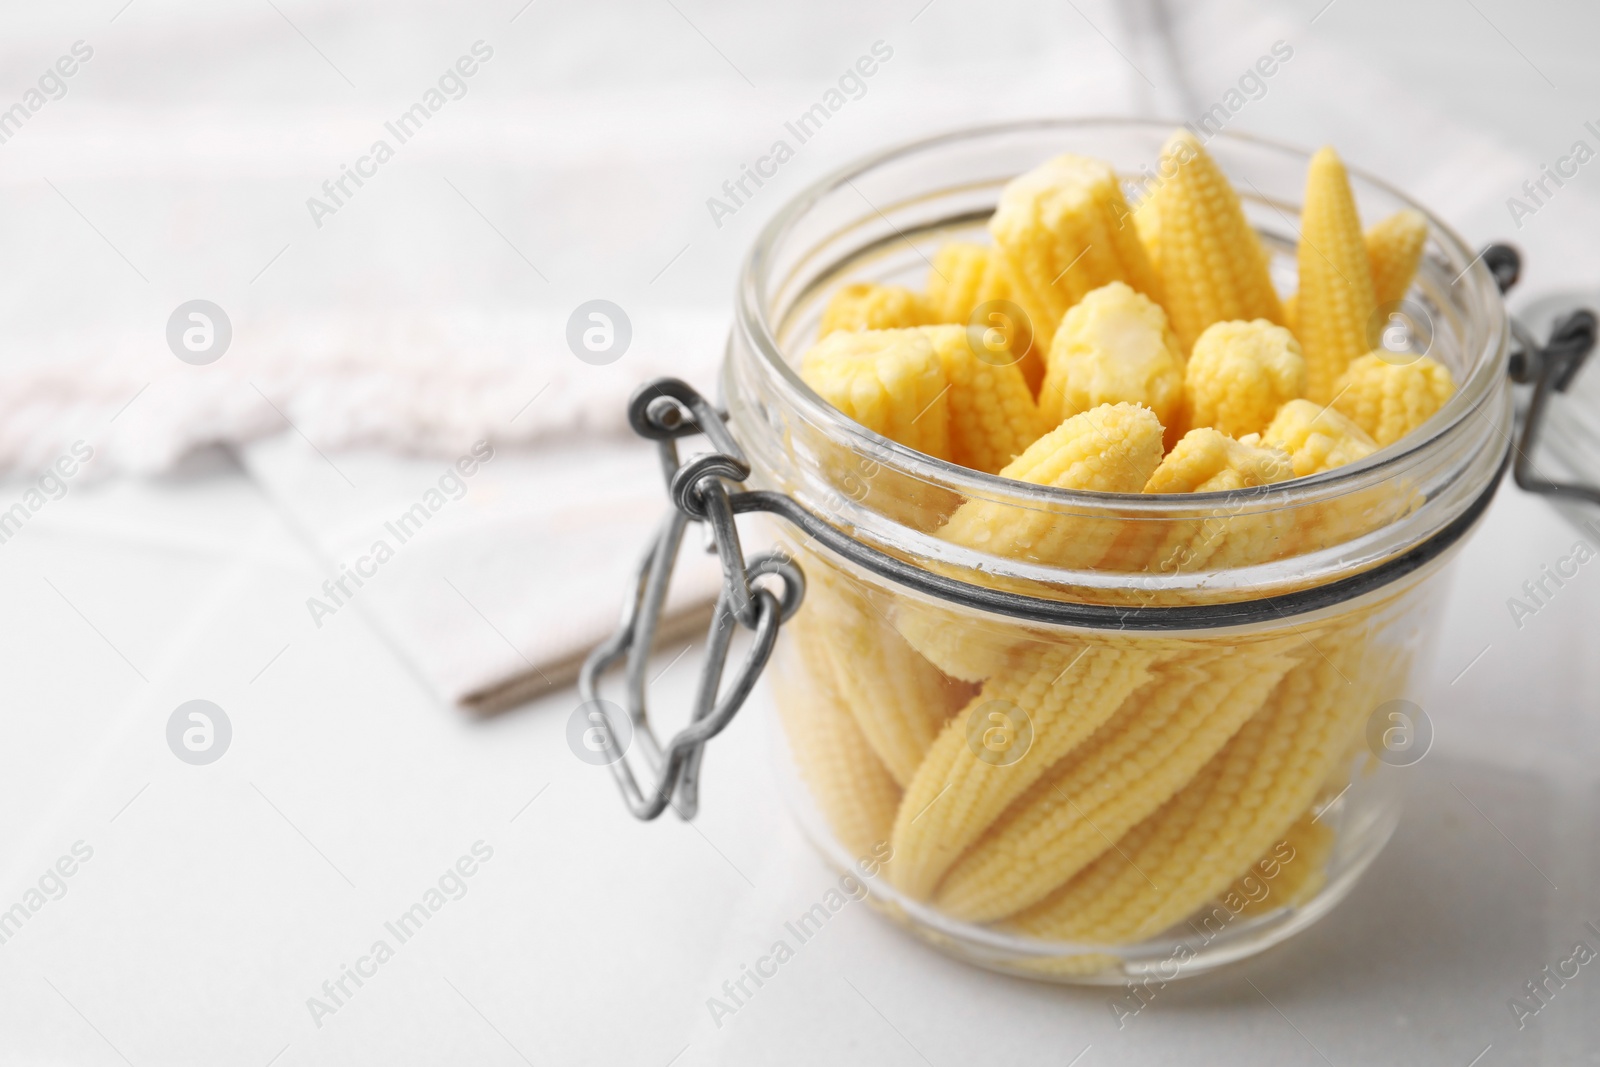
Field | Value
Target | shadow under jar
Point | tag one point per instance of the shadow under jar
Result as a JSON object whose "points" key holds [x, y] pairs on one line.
{"points": [[1149, 753]]}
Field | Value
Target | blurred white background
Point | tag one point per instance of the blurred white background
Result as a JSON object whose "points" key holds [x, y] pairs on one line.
{"points": [[429, 313]]}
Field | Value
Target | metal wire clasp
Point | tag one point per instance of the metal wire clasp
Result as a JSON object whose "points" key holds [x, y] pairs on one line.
{"points": [[1549, 367], [664, 411]]}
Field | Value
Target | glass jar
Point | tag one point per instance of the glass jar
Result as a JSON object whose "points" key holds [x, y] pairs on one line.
{"points": [[1164, 737]]}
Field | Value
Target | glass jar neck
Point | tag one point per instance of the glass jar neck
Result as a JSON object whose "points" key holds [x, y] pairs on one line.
{"points": [[882, 494]]}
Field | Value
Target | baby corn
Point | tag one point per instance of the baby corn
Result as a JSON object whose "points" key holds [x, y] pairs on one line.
{"points": [[1209, 259], [1334, 307], [866, 306], [993, 417], [1126, 770], [953, 641], [963, 276], [899, 700], [1289, 873], [1110, 449], [1167, 730], [1394, 248], [1317, 438], [1320, 439], [1065, 691], [1388, 400], [856, 793], [1242, 801], [1205, 461], [890, 381], [1062, 231], [1209, 461], [1239, 374], [1113, 347]]}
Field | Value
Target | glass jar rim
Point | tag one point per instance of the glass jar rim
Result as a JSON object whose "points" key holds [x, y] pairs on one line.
{"points": [[1486, 342]]}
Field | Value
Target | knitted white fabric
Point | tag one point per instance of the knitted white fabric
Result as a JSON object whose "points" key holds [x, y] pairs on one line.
{"points": [[423, 385]]}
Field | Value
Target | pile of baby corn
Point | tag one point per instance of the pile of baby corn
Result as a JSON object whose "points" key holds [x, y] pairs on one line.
{"points": [[1157, 357]]}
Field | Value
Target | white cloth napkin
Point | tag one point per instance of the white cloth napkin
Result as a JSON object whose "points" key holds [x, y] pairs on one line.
{"points": [[491, 577]]}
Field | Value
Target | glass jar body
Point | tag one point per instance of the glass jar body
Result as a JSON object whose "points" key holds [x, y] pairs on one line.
{"points": [[1100, 804], [1094, 798]]}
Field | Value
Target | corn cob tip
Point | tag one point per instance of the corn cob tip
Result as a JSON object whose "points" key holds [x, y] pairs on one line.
{"points": [[1206, 460], [1239, 374], [1114, 346], [1335, 303], [890, 381], [1181, 145], [1394, 248], [1326, 157], [1061, 230], [869, 306], [1102, 449], [993, 416], [1390, 399], [1317, 438], [1211, 263]]}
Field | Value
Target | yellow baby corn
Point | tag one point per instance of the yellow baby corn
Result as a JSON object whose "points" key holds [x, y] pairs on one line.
{"points": [[1126, 770], [1209, 461], [1394, 248], [1288, 874], [899, 700], [1209, 259], [953, 641], [1317, 438], [867, 306], [1388, 400], [890, 381], [1147, 224], [993, 416], [1205, 461], [1113, 347], [1111, 449], [1320, 439], [850, 784], [1239, 374], [1334, 307], [1131, 775], [1064, 690], [1241, 802], [963, 276], [1061, 230]]}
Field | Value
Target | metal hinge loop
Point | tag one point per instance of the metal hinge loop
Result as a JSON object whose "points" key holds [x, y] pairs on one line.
{"points": [[1550, 367], [664, 411]]}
